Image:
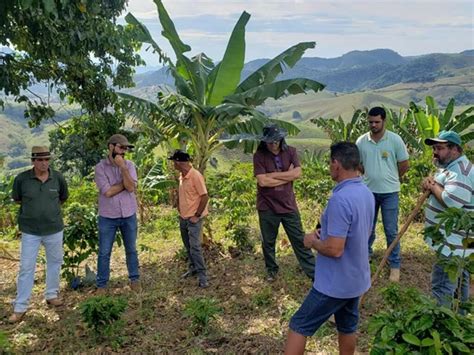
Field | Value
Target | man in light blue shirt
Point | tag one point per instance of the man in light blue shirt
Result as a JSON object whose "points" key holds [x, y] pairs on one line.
{"points": [[451, 186], [342, 271], [384, 158]]}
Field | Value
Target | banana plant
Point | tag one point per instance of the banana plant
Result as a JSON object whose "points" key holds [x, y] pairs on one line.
{"points": [[339, 130], [211, 105], [417, 123]]}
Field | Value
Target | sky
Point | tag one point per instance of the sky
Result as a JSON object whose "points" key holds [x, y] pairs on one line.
{"points": [[409, 27]]}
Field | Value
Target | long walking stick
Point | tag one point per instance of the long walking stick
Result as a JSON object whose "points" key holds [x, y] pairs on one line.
{"points": [[410, 218]]}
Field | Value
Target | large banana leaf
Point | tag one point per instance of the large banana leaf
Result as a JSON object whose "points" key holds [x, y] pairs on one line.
{"points": [[256, 96], [270, 70], [143, 35], [226, 76], [169, 31]]}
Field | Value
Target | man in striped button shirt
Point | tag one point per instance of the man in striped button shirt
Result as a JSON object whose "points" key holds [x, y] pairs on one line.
{"points": [[451, 186]]}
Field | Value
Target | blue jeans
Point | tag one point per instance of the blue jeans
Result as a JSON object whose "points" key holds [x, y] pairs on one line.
{"points": [[107, 230], [444, 290], [30, 244], [388, 203]]}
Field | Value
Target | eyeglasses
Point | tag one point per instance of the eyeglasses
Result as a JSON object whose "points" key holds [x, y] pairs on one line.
{"points": [[121, 146], [41, 159]]}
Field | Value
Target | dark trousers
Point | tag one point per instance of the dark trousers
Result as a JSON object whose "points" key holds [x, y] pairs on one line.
{"points": [[269, 224]]}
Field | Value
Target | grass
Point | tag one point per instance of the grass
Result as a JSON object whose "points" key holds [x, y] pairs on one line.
{"points": [[254, 317]]}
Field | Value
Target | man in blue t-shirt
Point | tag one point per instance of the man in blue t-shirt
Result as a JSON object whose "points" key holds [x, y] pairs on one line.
{"points": [[342, 272]]}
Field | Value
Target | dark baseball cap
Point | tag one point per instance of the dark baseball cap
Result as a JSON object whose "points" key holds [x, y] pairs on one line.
{"points": [[179, 155]]}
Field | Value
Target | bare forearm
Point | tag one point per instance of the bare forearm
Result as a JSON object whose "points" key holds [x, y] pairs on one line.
{"points": [[128, 182], [202, 204], [114, 190], [403, 168], [265, 181], [326, 249], [289, 175]]}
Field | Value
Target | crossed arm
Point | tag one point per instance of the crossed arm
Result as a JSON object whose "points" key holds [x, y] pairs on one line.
{"points": [[279, 178]]}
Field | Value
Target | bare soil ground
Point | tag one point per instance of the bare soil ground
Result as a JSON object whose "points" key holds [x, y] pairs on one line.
{"points": [[254, 317]]}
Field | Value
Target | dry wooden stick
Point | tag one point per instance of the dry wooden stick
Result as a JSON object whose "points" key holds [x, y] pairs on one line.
{"points": [[410, 218]]}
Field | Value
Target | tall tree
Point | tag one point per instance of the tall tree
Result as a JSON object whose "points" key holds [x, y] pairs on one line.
{"points": [[74, 46], [212, 106]]}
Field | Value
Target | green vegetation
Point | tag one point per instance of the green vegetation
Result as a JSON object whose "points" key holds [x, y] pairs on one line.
{"points": [[210, 107], [415, 324], [201, 310], [75, 48], [102, 314]]}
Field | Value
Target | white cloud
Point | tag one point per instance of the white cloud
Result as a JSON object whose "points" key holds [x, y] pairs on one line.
{"points": [[409, 27]]}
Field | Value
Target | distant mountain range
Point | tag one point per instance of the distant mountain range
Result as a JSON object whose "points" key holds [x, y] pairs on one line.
{"points": [[357, 71]]}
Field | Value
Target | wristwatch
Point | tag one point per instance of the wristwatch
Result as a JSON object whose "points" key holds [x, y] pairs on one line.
{"points": [[198, 215]]}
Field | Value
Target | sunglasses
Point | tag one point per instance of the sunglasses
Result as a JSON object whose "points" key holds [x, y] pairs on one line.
{"points": [[41, 159]]}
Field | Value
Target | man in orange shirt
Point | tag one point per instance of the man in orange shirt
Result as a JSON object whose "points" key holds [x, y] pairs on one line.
{"points": [[192, 207]]}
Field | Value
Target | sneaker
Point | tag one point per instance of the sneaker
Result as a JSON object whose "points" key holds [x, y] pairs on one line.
{"points": [[203, 284], [188, 273], [135, 285], [56, 302], [16, 317], [394, 275]]}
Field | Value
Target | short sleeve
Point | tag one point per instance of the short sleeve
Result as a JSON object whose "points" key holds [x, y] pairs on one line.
{"points": [[199, 184], [259, 164], [63, 189], [16, 190], [294, 158], [401, 150], [339, 217], [457, 191]]}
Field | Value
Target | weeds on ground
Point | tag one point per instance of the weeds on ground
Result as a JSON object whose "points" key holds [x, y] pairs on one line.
{"points": [[202, 310]]}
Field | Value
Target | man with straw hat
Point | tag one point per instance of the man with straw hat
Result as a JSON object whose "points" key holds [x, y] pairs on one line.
{"points": [[40, 192]]}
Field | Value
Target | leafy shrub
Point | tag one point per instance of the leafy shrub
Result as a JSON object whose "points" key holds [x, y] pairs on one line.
{"points": [[415, 324], [263, 298], [202, 310], [235, 197], [9, 209], [80, 237], [103, 314], [315, 183], [454, 219], [410, 188]]}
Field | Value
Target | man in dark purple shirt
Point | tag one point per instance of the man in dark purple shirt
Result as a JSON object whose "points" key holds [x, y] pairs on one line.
{"points": [[276, 166], [116, 179]]}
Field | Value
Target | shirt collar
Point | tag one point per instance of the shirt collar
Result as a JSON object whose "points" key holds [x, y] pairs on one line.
{"points": [[33, 176], [345, 182], [455, 161], [381, 139]]}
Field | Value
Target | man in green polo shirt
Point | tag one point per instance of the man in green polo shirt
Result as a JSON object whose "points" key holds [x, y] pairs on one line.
{"points": [[40, 192], [384, 157]]}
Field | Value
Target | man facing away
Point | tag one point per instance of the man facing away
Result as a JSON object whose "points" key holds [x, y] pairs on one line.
{"points": [[342, 272], [116, 180], [451, 186], [384, 157], [276, 166], [192, 207], [40, 192]]}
